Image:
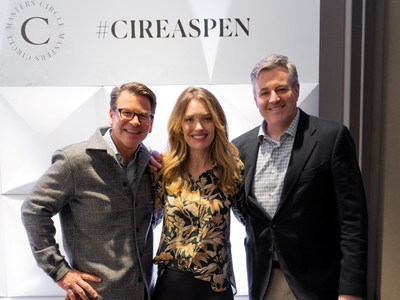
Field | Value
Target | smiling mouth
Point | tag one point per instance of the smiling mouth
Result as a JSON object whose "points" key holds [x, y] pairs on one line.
{"points": [[276, 108], [199, 136], [131, 132]]}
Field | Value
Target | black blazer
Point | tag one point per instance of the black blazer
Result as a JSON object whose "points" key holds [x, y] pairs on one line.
{"points": [[319, 230]]}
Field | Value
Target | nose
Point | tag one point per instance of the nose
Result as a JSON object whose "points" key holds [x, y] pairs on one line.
{"points": [[274, 96], [135, 119], [198, 125]]}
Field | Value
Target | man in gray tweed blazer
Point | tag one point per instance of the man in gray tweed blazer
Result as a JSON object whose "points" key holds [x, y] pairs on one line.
{"points": [[103, 194]]}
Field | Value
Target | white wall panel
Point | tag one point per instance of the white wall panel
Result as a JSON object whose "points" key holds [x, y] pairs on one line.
{"points": [[23, 277], [37, 121], [3, 246], [48, 102]]}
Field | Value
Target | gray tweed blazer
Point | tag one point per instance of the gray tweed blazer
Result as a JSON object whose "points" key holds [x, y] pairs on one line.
{"points": [[107, 229]]}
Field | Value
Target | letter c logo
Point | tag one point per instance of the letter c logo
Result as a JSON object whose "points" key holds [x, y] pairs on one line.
{"points": [[23, 31]]}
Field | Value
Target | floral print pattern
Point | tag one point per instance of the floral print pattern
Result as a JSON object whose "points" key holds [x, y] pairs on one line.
{"points": [[196, 229]]}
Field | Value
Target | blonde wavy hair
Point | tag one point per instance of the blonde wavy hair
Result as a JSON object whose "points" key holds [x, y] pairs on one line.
{"points": [[222, 152]]}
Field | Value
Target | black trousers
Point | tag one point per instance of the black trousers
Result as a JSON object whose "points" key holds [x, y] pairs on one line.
{"points": [[176, 284]]}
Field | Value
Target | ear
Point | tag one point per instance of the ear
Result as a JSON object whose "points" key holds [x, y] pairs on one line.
{"points": [[296, 89], [255, 101], [110, 116], [151, 126]]}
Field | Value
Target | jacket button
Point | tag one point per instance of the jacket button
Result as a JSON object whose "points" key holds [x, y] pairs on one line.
{"points": [[273, 226], [125, 184]]}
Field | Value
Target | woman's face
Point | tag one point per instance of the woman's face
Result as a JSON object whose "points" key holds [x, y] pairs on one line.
{"points": [[198, 126]]}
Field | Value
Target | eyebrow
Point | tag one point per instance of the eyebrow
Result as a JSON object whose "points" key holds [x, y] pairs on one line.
{"points": [[138, 112], [276, 87], [200, 115]]}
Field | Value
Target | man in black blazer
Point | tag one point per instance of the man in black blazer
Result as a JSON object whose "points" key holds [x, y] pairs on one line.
{"points": [[305, 211]]}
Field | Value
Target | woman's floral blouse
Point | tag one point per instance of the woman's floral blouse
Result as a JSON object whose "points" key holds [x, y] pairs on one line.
{"points": [[195, 233]]}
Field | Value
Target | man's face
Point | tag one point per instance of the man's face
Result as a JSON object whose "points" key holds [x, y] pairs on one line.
{"points": [[276, 98], [128, 134]]}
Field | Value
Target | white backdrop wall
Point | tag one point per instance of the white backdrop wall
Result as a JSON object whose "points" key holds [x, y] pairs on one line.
{"points": [[60, 59]]}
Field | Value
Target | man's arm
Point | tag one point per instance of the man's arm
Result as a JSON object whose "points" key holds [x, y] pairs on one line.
{"points": [[352, 211], [49, 196]]}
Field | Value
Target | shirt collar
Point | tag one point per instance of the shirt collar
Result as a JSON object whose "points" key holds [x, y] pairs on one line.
{"points": [[290, 131], [110, 143]]}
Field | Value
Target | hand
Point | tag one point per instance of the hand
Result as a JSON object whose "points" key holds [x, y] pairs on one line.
{"points": [[155, 162], [77, 297], [349, 297], [74, 283]]}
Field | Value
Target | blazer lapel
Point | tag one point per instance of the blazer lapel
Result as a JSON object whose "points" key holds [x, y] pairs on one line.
{"points": [[304, 144], [249, 154]]}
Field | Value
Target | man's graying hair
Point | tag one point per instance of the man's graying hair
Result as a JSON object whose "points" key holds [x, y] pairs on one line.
{"points": [[136, 89], [272, 62]]}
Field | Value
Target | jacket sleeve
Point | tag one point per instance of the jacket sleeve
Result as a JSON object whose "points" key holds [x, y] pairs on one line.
{"points": [[238, 207], [352, 209], [48, 197]]}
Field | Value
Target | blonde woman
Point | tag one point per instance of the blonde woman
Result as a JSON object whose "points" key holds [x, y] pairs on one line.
{"points": [[200, 180]]}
